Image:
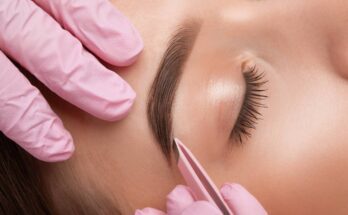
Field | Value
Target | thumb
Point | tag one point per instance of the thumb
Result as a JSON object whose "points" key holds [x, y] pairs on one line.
{"points": [[241, 201], [179, 199]]}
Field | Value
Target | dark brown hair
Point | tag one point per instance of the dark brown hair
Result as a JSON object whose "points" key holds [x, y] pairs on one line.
{"points": [[20, 190], [23, 189], [26, 189], [162, 92]]}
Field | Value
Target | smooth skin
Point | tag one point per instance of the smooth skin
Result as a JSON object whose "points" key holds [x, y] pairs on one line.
{"points": [[296, 160]]}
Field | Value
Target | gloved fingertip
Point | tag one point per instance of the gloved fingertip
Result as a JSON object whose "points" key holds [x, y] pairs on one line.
{"points": [[179, 199], [118, 107], [149, 211], [130, 52], [240, 200], [57, 145], [181, 192], [123, 43], [228, 189], [201, 208], [107, 96], [61, 154], [138, 212]]}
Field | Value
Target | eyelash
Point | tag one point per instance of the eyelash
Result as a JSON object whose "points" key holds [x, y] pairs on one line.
{"points": [[254, 96]]}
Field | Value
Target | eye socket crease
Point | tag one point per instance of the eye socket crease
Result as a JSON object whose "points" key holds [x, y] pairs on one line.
{"points": [[164, 86]]}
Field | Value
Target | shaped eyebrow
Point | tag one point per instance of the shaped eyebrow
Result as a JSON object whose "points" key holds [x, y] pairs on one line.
{"points": [[164, 86]]}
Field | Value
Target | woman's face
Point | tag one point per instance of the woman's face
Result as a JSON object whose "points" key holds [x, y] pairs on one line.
{"points": [[294, 162]]}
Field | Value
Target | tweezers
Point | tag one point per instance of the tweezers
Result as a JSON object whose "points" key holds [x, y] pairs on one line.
{"points": [[197, 179]]}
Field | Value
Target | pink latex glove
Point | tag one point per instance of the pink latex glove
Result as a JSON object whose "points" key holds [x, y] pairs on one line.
{"points": [[31, 33], [181, 202]]}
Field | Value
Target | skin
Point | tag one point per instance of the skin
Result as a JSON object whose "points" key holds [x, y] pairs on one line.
{"points": [[294, 163]]}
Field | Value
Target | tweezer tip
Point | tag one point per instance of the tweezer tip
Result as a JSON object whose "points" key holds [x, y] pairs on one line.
{"points": [[176, 150]]}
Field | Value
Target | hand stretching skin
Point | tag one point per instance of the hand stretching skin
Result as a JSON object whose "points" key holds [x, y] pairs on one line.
{"points": [[31, 33], [181, 202]]}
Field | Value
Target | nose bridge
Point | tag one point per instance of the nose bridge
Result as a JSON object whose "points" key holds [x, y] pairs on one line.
{"points": [[263, 16], [236, 13], [245, 19], [244, 25]]}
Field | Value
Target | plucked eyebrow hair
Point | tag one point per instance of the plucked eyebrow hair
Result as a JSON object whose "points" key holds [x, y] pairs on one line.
{"points": [[164, 86]]}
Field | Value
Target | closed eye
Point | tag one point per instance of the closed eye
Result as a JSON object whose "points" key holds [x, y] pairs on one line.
{"points": [[254, 97]]}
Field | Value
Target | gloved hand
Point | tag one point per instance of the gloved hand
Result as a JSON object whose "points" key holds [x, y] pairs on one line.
{"points": [[31, 33], [181, 202]]}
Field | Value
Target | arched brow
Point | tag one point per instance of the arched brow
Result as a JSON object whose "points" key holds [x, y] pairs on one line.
{"points": [[164, 86]]}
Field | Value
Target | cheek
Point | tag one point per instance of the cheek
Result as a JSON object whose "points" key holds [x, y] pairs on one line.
{"points": [[309, 156], [299, 153]]}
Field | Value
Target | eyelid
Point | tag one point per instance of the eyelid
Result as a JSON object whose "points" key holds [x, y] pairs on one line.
{"points": [[227, 97]]}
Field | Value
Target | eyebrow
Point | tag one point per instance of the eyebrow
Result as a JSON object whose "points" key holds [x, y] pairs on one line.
{"points": [[164, 86]]}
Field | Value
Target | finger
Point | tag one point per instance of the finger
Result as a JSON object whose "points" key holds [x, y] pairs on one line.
{"points": [[100, 27], [179, 199], [241, 201], [58, 59], [201, 208], [27, 119], [149, 211]]}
